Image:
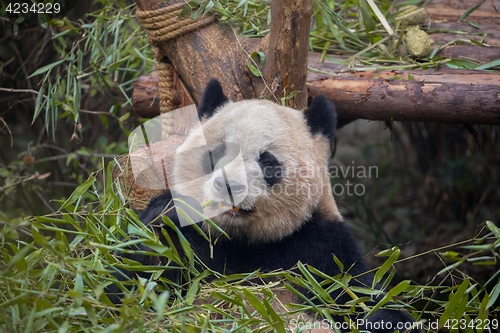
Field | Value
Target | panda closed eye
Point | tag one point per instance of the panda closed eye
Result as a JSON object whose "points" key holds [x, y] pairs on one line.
{"points": [[271, 168]]}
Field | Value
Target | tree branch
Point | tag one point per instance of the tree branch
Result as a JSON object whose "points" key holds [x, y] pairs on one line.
{"points": [[439, 95], [214, 51], [285, 70]]}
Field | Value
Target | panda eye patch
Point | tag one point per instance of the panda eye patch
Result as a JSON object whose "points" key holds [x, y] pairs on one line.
{"points": [[271, 168], [212, 157]]}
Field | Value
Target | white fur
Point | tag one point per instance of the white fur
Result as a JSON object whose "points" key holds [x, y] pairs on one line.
{"points": [[256, 126]]}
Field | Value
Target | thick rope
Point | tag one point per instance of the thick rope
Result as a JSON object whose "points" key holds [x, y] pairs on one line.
{"points": [[161, 25], [164, 23], [165, 92]]}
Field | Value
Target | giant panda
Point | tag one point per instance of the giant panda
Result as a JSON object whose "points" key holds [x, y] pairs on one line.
{"points": [[263, 168]]}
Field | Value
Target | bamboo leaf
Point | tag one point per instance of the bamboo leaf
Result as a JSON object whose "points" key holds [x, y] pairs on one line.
{"points": [[450, 267], [261, 56], [229, 299], [19, 259], [160, 304], [454, 302], [78, 192], [78, 288], [47, 68], [461, 64], [396, 290], [338, 263], [493, 295], [254, 70], [314, 283], [493, 228], [256, 304], [39, 105], [491, 64], [192, 292], [385, 266], [366, 15], [483, 312], [186, 247], [470, 10]]}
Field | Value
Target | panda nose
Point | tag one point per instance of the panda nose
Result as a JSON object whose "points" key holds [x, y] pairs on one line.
{"points": [[232, 187]]}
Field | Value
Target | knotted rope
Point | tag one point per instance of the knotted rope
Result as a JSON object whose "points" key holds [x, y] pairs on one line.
{"points": [[161, 25], [164, 23], [165, 92]]}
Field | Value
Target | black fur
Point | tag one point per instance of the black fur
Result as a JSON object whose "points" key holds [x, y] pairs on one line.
{"points": [[212, 98], [321, 117], [314, 244], [271, 168]]}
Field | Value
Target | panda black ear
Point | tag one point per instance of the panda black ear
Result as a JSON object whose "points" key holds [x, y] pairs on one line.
{"points": [[321, 117], [212, 98]]}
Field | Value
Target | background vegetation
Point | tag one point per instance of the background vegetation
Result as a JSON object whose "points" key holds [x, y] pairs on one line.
{"points": [[66, 111]]}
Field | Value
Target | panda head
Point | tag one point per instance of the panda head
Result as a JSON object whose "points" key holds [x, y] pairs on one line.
{"points": [[264, 166]]}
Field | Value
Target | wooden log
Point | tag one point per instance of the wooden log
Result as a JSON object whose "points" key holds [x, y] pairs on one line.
{"points": [[445, 26], [443, 38], [214, 51], [453, 10], [145, 100], [477, 53], [440, 95], [285, 68]]}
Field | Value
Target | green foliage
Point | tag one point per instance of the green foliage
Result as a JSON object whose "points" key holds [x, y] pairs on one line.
{"points": [[55, 268], [108, 53], [369, 32], [83, 75], [251, 18]]}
